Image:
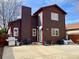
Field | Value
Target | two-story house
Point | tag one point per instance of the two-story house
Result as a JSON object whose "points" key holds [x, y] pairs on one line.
{"points": [[45, 25], [48, 24]]}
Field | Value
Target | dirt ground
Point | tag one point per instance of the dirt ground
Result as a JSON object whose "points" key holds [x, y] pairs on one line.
{"points": [[42, 52], [1, 52]]}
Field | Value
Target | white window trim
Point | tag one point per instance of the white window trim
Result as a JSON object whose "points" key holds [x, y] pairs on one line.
{"points": [[40, 15], [54, 15], [54, 29], [33, 32], [15, 28]]}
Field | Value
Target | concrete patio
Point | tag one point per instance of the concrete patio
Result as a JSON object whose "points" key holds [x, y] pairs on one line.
{"points": [[1, 52], [42, 52]]}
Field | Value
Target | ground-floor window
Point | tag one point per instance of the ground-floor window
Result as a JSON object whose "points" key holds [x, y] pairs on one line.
{"points": [[15, 31], [33, 32], [54, 31]]}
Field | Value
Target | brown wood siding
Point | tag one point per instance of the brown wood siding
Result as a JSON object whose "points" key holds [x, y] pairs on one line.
{"points": [[34, 25], [48, 24], [26, 23]]}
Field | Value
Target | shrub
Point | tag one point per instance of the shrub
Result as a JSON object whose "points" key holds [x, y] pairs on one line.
{"points": [[3, 36]]}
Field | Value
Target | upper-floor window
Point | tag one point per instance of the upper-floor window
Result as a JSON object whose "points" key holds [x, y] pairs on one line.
{"points": [[54, 16], [54, 31]]}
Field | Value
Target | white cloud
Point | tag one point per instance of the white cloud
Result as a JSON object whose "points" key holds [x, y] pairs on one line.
{"points": [[54, 1], [69, 1], [5, 0]]}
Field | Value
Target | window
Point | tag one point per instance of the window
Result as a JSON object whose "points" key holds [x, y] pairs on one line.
{"points": [[54, 16], [15, 32], [33, 32], [54, 32]]}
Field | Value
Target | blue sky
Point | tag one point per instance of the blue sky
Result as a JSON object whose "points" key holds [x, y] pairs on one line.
{"points": [[70, 6]]}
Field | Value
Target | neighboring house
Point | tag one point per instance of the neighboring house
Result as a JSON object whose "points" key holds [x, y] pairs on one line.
{"points": [[72, 31], [45, 25], [48, 24], [21, 28]]}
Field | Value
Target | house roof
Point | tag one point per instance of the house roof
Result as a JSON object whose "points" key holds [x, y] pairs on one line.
{"points": [[15, 21], [72, 26], [47, 7]]}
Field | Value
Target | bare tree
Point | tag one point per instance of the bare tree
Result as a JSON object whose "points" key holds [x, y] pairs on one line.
{"points": [[8, 10], [0, 27]]}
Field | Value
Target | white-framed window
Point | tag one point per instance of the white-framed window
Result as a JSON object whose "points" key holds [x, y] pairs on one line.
{"points": [[54, 16], [15, 31], [54, 31], [33, 32]]}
